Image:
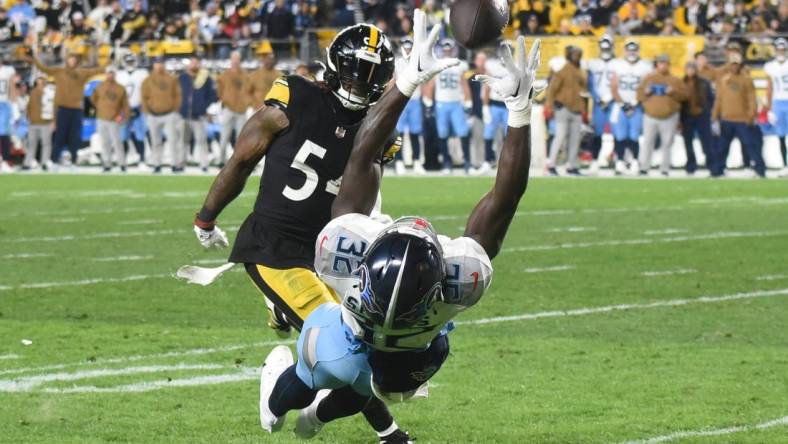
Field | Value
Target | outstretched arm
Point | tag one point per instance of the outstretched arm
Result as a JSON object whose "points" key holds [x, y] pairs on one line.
{"points": [[361, 179], [253, 142], [491, 217]]}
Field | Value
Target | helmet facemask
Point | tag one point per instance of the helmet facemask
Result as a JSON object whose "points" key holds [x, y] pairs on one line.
{"points": [[358, 72]]}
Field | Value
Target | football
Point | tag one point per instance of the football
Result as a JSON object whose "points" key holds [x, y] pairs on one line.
{"points": [[478, 23]]}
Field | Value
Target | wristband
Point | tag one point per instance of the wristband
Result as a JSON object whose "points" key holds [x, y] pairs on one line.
{"points": [[200, 223]]}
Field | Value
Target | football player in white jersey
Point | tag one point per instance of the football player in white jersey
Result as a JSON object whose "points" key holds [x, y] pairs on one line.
{"points": [[601, 74], [412, 118], [131, 78], [627, 114], [400, 284], [8, 80], [452, 97], [777, 95]]}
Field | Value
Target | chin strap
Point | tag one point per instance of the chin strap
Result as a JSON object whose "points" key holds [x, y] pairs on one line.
{"points": [[344, 99]]}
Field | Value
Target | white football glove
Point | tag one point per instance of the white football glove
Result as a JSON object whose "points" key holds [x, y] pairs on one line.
{"points": [[211, 239], [422, 64], [515, 87], [486, 115]]}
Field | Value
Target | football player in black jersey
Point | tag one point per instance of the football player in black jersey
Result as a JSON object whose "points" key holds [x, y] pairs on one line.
{"points": [[305, 132]]}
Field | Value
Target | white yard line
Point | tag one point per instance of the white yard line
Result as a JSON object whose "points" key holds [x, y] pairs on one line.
{"points": [[245, 374], [209, 261], [570, 229], [645, 241], [148, 209], [164, 355], [26, 255], [665, 231], [140, 222], [712, 432], [140, 277], [741, 199], [104, 235], [669, 272], [121, 258], [69, 220], [544, 269], [8, 357], [26, 383], [624, 307], [772, 277]]}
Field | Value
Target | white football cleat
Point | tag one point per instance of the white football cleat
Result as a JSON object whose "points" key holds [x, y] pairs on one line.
{"points": [[399, 167], [418, 168], [307, 424], [593, 169], [275, 364], [620, 167], [634, 168], [483, 169], [783, 172]]}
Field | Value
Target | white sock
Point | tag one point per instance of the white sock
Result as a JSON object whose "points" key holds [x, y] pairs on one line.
{"points": [[392, 428]]}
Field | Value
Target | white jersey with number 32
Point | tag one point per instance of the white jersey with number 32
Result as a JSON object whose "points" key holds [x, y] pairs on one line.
{"points": [[778, 74], [340, 248]]}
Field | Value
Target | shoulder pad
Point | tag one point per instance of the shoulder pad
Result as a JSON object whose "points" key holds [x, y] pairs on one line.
{"points": [[340, 246], [279, 95], [468, 271]]}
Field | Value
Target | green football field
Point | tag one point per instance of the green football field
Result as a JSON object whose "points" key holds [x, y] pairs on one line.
{"points": [[620, 310]]}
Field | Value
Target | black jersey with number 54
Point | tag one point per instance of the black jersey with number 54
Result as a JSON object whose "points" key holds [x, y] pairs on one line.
{"points": [[301, 176]]}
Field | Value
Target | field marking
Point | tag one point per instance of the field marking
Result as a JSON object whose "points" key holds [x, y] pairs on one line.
{"points": [[26, 255], [69, 220], [645, 241], [104, 235], [210, 261], [100, 211], [741, 199], [625, 307], [570, 229], [164, 355], [121, 258], [543, 269], [140, 222], [711, 432], [93, 281], [772, 277], [246, 374], [666, 231], [669, 272], [8, 357], [27, 383]]}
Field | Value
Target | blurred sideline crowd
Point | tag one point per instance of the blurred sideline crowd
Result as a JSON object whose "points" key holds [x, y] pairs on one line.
{"points": [[614, 110]]}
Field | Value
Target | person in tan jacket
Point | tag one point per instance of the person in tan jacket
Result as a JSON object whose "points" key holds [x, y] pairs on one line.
{"points": [[566, 96], [259, 82], [661, 95], [112, 109], [69, 97], [41, 115], [161, 99], [229, 87], [734, 115]]}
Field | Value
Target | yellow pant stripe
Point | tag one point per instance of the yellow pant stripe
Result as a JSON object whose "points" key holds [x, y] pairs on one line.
{"points": [[299, 288]]}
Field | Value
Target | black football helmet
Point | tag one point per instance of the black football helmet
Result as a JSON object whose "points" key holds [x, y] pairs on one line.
{"points": [[360, 62], [400, 278]]}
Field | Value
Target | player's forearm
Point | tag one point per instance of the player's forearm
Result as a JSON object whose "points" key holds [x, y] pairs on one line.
{"points": [[229, 183], [490, 220], [361, 179]]}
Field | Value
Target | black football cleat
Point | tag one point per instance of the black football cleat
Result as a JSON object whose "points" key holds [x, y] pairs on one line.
{"points": [[396, 437]]}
